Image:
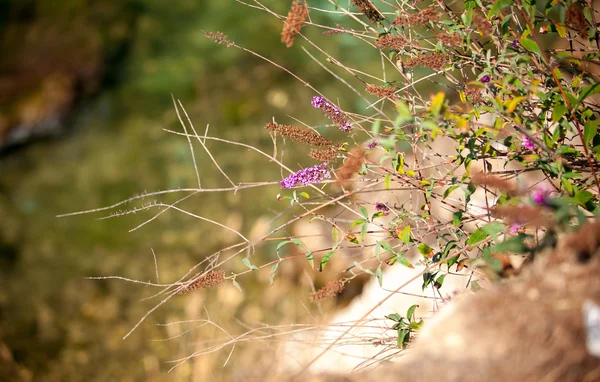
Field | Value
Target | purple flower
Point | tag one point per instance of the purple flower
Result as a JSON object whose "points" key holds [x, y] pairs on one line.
{"points": [[514, 228], [304, 177], [541, 195], [527, 143], [332, 112], [382, 207], [515, 44], [485, 79], [373, 143]]}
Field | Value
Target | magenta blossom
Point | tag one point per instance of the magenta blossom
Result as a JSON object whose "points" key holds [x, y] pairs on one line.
{"points": [[541, 195], [485, 79], [384, 208], [304, 177], [514, 228], [373, 143], [527, 143]]}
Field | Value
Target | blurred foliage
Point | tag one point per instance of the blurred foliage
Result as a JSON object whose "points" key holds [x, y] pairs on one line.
{"points": [[113, 65]]}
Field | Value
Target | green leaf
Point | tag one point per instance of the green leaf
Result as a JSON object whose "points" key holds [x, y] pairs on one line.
{"points": [[403, 260], [449, 190], [310, 258], [387, 181], [246, 262], [363, 231], [387, 247], [237, 285], [394, 317], [424, 249], [364, 212], [498, 6], [587, 91], [357, 222], [403, 337], [304, 195], [404, 235], [379, 275], [589, 131], [477, 236], [410, 312], [493, 229], [514, 245], [530, 45], [457, 218], [582, 197], [325, 259], [558, 112], [273, 271]]}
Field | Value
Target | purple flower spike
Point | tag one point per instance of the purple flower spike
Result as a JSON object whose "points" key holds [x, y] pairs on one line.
{"points": [[382, 207], [527, 143], [373, 143], [541, 195], [485, 79], [515, 44], [310, 175], [332, 112]]}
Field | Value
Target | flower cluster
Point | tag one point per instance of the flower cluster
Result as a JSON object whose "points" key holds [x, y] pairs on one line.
{"points": [[210, 279], [381, 91], [474, 94], [332, 112], [421, 18], [451, 40], [304, 177], [219, 37], [331, 289], [527, 143], [541, 195], [433, 61], [294, 133], [391, 42], [326, 155], [384, 208], [372, 144], [485, 79], [295, 20], [369, 10]]}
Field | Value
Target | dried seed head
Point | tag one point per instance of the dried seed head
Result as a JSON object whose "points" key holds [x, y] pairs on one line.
{"points": [[381, 91], [392, 42], [210, 279], [351, 165], [339, 30], [219, 37], [474, 94], [327, 155], [482, 24], [295, 19], [576, 20], [420, 18], [331, 289], [451, 40], [308, 137], [369, 10], [433, 61]]}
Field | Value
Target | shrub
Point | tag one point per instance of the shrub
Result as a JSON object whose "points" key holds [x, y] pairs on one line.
{"points": [[476, 138]]}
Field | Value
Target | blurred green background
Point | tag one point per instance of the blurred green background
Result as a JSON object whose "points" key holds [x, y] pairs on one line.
{"points": [[85, 91]]}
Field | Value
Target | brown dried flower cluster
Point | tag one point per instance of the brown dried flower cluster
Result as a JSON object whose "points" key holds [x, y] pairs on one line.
{"points": [[339, 30], [421, 18], [493, 181], [482, 24], [433, 61], [474, 94], [326, 155], [392, 42], [381, 91], [452, 40], [369, 10], [331, 289], [351, 165], [533, 216], [295, 19], [210, 279], [576, 20], [308, 137], [219, 37]]}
